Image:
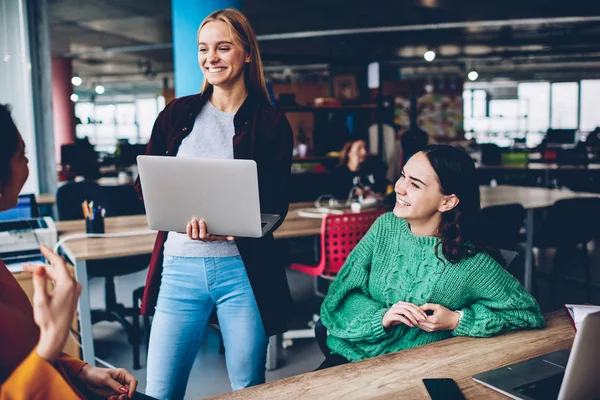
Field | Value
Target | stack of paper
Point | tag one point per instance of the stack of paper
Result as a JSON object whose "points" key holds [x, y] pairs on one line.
{"points": [[577, 312]]}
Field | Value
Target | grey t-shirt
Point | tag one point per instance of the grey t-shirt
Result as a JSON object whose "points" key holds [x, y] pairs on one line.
{"points": [[211, 137]]}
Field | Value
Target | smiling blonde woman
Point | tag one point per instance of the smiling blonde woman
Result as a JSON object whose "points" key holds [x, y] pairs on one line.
{"points": [[194, 273]]}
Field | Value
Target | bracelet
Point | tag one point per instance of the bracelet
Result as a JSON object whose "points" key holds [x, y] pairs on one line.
{"points": [[460, 316]]}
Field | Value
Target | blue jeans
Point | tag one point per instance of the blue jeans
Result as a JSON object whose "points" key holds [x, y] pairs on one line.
{"points": [[189, 291]]}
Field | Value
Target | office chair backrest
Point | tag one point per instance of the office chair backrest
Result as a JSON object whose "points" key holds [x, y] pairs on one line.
{"points": [[491, 154], [502, 225], [70, 196], [573, 221], [340, 234], [124, 200]]}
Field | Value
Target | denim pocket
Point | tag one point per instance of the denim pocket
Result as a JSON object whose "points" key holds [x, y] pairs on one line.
{"points": [[169, 260]]}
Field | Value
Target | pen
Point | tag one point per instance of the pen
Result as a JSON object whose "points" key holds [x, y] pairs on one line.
{"points": [[84, 207]]}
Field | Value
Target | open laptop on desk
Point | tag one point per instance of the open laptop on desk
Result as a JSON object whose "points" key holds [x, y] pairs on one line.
{"points": [[555, 375], [222, 192]]}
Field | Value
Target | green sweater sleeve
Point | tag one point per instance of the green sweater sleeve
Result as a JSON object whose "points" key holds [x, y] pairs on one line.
{"points": [[500, 303], [348, 311]]}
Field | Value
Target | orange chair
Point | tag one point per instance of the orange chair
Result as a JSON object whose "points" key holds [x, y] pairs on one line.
{"points": [[340, 233]]}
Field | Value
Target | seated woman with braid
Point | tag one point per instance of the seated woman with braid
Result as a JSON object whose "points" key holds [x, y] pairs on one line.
{"points": [[421, 274]]}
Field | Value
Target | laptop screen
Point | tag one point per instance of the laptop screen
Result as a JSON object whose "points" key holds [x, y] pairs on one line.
{"points": [[26, 208]]}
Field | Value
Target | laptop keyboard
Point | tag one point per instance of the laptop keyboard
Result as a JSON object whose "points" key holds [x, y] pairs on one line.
{"points": [[547, 388]]}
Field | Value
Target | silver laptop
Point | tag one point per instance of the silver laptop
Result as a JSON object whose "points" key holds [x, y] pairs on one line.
{"points": [[222, 192], [556, 375]]}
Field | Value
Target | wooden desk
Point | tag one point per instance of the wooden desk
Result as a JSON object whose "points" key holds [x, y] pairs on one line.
{"points": [[81, 250], [46, 199], [399, 375]]}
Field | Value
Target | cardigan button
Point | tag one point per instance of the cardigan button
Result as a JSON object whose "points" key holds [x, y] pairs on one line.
{"points": [[184, 129], [167, 152]]}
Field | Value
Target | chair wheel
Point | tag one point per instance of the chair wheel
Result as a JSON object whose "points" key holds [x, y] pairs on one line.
{"points": [[285, 343]]}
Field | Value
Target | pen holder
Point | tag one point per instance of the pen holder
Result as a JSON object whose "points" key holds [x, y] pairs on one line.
{"points": [[95, 225]]}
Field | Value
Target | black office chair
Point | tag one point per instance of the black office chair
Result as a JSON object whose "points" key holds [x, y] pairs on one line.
{"points": [[508, 257], [68, 201], [491, 154], [124, 200], [502, 225], [569, 226]]}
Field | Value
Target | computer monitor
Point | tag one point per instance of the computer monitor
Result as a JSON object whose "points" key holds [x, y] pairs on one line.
{"points": [[26, 208], [561, 137]]}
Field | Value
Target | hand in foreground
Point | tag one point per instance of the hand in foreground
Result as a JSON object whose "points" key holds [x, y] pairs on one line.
{"points": [[403, 313], [442, 318], [197, 230], [53, 313], [112, 383]]}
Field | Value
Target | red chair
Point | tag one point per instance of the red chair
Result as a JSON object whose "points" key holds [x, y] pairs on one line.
{"points": [[340, 233]]}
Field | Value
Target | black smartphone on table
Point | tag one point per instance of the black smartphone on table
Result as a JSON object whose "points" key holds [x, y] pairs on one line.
{"points": [[443, 388]]}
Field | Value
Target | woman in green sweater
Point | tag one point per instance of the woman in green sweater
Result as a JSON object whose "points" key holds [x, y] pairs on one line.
{"points": [[421, 274]]}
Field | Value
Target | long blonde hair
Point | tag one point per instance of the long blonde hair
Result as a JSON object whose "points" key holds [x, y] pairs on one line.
{"points": [[240, 27]]}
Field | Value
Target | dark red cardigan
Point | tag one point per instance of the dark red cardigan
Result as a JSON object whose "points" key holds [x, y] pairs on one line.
{"points": [[262, 134]]}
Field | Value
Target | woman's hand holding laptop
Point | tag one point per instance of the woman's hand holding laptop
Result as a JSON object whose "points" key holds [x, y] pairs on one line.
{"points": [[197, 230]]}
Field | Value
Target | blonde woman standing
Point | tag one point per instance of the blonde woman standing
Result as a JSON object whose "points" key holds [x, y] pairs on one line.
{"points": [[191, 274]]}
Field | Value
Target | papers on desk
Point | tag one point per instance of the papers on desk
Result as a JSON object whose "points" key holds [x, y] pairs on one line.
{"points": [[577, 312], [18, 266], [319, 212]]}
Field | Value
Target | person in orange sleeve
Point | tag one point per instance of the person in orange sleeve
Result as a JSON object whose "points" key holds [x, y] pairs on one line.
{"points": [[31, 363]]}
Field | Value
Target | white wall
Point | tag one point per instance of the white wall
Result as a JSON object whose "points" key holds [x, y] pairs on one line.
{"points": [[15, 78]]}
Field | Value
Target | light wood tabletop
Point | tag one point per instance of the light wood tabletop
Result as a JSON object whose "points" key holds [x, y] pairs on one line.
{"points": [[46, 199], [293, 226], [528, 197], [100, 248], [399, 375]]}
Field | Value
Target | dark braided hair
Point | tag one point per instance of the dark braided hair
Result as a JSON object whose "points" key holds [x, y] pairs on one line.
{"points": [[459, 229], [9, 142]]}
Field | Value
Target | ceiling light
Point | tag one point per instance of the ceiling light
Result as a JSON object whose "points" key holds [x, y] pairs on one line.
{"points": [[473, 75], [429, 55], [99, 89], [74, 98], [76, 80]]}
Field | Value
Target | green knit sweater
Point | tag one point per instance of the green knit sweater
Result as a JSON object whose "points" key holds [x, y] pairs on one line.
{"points": [[391, 264]]}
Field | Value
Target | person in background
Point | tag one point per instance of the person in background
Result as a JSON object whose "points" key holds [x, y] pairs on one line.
{"points": [[32, 365], [413, 141], [593, 139], [424, 257], [367, 177], [193, 274]]}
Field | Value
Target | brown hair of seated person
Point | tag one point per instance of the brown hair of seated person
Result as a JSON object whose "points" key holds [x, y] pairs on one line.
{"points": [[353, 154]]}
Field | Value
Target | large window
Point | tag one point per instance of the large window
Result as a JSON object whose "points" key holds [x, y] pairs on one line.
{"points": [[104, 124], [565, 105], [590, 99], [535, 97], [505, 116]]}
